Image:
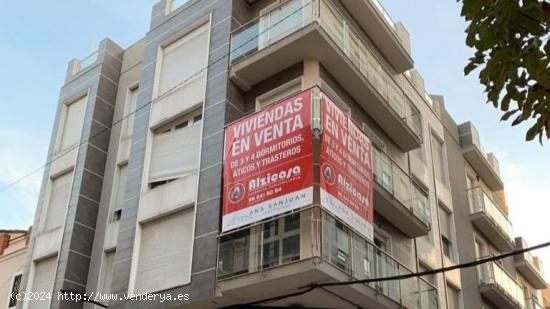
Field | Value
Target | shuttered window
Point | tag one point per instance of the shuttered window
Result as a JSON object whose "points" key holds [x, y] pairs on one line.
{"points": [[44, 276], [165, 253], [58, 201], [182, 77], [72, 125], [175, 150]]}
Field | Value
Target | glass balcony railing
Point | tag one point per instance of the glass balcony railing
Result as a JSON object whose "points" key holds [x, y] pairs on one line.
{"points": [[294, 237], [480, 201], [398, 183], [82, 64], [493, 274], [293, 15]]}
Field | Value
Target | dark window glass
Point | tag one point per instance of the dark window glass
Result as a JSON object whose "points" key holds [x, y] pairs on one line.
{"points": [[14, 291]]}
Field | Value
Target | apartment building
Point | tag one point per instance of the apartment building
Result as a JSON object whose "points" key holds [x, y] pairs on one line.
{"points": [[132, 203], [483, 227], [13, 255]]}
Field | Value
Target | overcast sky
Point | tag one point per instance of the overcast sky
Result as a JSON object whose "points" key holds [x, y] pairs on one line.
{"points": [[38, 38]]}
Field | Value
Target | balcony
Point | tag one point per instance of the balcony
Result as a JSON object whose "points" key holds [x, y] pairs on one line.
{"points": [[499, 287], [490, 220], [391, 38], [317, 30], [285, 254], [394, 198], [486, 165], [529, 266]]}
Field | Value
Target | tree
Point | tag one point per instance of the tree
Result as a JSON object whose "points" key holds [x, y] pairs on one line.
{"points": [[510, 39]]}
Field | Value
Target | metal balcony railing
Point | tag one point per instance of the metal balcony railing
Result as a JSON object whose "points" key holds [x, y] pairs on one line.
{"points": [[480, 201], [82, 64], [282, 241], [397, 182], [291, 16], [492, 274]]}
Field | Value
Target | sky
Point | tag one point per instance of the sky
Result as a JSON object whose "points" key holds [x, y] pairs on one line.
{"points": [[38, 38]]}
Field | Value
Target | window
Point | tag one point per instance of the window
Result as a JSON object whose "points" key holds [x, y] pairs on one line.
{"points": [[180, 81], [164, 259], [281, 241], [420, 204], [382, 169], [445, 226], [277, 20], [117, 214], [182, 59], [453, 298], [175, 150], [119, 188], [72, 123], [58, 201], [479, 248], [106, 275], [43, 278], [276, 95], [439, 160], [14, 291], [336, 243], [234, 251], [129, 112]]}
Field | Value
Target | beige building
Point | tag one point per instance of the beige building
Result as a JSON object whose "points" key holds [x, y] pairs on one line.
{"points": [[132, 202], [13, 255]]}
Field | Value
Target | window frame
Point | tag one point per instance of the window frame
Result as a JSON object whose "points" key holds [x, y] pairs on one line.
{"points": [[279, 238]]}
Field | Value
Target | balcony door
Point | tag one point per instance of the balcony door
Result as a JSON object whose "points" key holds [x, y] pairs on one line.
{"points": [[281, 18]]}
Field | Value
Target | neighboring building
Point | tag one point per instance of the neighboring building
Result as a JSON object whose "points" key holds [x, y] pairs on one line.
{"points": [[13, 256], [137, 208], [546, 298], [483, 228]]}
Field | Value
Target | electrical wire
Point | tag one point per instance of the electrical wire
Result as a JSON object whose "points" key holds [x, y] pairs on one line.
{"points": [[161, 96], [313, 286]]}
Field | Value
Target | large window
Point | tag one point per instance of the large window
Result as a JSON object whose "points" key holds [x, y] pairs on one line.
{"points": [[72, 123], [439, 160], [58, 201], [165, 253], [175, 150], [281, 241], [181, 78]]}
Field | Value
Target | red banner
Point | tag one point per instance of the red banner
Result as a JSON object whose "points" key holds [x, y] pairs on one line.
{"points": [[268, 167], [346, 169]]}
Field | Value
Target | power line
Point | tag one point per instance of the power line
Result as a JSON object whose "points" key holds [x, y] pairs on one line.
{"points": [[161, 96], [313, 286]]}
